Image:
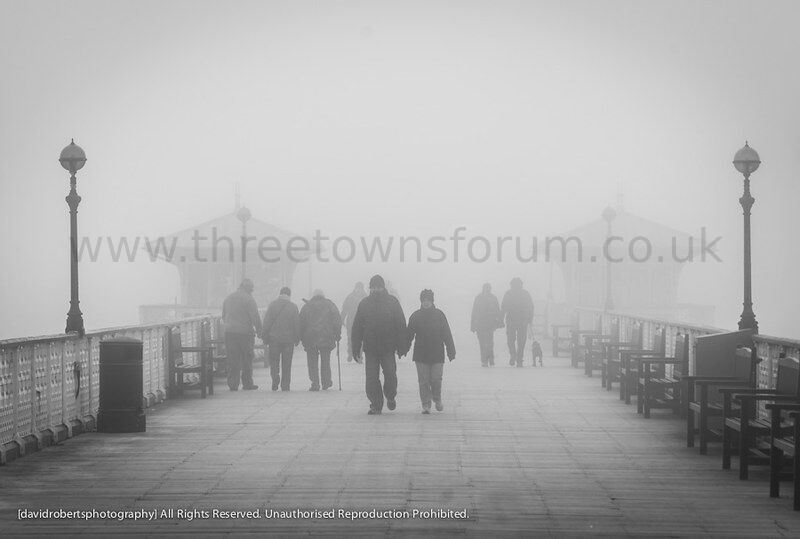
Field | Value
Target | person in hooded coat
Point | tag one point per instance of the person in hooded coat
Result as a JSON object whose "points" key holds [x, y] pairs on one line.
{"points": [[380, 326], [430, 331], [349, 308], [320, 330]]}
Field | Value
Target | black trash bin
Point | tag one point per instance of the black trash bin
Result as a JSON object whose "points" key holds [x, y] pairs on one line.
{"points": [[121, 386]]}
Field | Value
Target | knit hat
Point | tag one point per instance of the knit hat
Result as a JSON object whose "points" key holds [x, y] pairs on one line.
{"points": [[377, 282], [426, 294]]}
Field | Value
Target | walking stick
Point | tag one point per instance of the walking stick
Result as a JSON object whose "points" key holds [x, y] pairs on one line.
{"points": [[339, 365]]}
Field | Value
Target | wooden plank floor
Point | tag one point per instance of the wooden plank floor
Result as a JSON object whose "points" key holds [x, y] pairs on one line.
{"points": [[541, 452]]}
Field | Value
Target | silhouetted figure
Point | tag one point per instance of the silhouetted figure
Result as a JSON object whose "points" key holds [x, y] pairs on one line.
{"points": [[240, 316], [320, 330], [349, 308], [393, 292], [429, 330], [380, 326], [517, 308], [281, 334], [486, 318]]}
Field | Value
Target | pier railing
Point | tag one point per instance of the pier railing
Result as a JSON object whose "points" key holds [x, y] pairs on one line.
{"points": [[49, 385], [769, 348]]}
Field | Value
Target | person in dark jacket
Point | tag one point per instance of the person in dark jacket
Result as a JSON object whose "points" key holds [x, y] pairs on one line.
{"points": [[429, 329], [320, 330], [349, 308], [380, 326], [517, 308], [485, 320], [281, 334], [240, 316]]}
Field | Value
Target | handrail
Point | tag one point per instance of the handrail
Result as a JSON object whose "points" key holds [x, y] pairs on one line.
{"points": [[49, 384]]}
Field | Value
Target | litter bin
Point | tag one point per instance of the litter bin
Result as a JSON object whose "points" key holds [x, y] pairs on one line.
{"points": [[121, 386]]}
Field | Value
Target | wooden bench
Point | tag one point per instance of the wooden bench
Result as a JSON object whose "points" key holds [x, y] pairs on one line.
{"points": [[577, 347], [219, 355], [562, 337], [594, 346], [629, 365], [745, 422], [716, 365], [199, 372], [609, 367], [784, 446], [659, 387]]}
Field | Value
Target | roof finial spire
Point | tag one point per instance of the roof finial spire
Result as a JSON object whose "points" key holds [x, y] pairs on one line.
{"points": [[237, 198], [620, 197]]}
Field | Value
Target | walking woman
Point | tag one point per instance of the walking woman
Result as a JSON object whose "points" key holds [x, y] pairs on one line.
{"points": [[429, 330]]}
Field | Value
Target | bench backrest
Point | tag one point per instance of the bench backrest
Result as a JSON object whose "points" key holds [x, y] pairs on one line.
{"points": [[660, 342], [681, 353], [174, 346], [636, 337], [614, 330], [714, 354], [788, 380], [744, 365]]}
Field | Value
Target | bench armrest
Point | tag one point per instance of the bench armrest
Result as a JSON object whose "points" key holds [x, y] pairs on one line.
{"points": [[661, 361], [767, 396], [783, 406], [745, 389], [194, 349], [708, 379]]}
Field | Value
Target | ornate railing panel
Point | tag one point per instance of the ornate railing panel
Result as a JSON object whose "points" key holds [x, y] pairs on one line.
{"points": [[52, 382]]}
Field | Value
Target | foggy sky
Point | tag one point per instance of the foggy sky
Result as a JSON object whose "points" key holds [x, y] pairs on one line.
{"points": [[402, 118]]}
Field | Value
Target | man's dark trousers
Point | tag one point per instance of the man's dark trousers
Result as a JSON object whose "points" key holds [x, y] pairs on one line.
{"points": [[517, 336], [280, 361], [319, 357], [374, 364], [240, 359], [486, 342]]}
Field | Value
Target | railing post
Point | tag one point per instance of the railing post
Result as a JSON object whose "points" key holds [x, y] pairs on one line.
{"points": [[49, 378], [15, 392], [34, 391], [64, 389]]}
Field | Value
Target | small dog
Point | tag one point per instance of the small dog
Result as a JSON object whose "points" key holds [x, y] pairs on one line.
{"points": [[536, 350]]}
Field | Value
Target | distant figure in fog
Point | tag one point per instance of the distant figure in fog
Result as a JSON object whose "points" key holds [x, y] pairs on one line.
{"points": [[429, 329], [349, 308], [320, 330], [393, 291], [240, 316], [486, 318], [517, 308], [281, 333], [380, 326]]}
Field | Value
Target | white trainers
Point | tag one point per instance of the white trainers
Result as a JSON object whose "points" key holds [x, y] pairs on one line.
{"points": [[439, 406]]}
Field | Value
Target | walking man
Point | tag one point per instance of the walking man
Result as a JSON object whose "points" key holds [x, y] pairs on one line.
{"points": [[281, 334], [320, 330], [240, 316], [380, 326], [517, 308], [349, 308], [429, 329], [486, 319]]}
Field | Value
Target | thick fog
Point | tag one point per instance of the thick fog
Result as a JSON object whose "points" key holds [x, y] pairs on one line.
{"points": [[405, 119]]}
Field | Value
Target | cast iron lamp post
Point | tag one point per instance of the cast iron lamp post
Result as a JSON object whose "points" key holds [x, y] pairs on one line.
{"points": [[747, 161], [609, 214], [73, 158], [244, 215]]}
